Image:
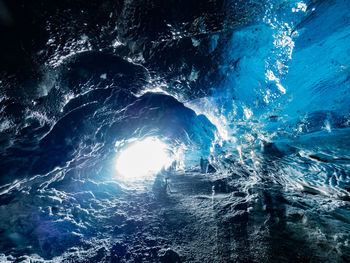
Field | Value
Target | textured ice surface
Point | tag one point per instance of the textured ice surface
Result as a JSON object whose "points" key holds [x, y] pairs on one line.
{"points": [[259, 89]]}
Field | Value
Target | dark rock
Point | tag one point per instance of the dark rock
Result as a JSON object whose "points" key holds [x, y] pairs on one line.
{"points": [[170, 256]]}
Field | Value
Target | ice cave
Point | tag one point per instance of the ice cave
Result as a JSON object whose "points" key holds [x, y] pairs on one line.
{"points": [[168, 131]]}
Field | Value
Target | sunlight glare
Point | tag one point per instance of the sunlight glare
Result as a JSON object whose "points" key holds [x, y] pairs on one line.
{"points": [[142, 159]]}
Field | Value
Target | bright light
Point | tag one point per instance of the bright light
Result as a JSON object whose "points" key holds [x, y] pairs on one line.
{"points": [[142, 159]]}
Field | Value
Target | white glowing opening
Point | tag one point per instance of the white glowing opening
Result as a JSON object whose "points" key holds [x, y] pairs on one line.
{"points": [[142, 159]]}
